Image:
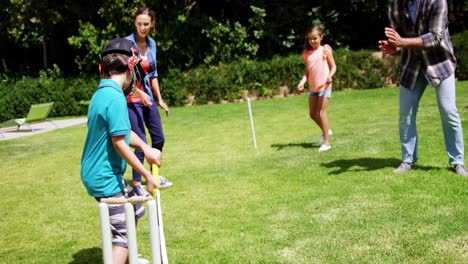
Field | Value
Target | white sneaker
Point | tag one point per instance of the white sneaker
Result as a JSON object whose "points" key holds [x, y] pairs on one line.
{"points": [[324, 148], [141, 260], [320, 139], [460, 170], [404, 167], [138, 190], [164, 182]]}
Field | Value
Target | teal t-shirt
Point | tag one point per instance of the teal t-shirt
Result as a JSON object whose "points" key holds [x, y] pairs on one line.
{"points": [[102, 168]]}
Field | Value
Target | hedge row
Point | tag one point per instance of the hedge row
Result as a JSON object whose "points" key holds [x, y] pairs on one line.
{"points": [[66, 93], [461, 52], [226, 82]]}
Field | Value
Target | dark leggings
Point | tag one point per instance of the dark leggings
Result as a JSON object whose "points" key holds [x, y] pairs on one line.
{"points": [[140, 116]]}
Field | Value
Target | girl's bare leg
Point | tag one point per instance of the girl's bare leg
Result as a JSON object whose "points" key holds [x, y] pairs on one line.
{"points": [[322, 105], [313, 113]]}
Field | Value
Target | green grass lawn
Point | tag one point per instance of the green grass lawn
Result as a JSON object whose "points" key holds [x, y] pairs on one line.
{"points": [[281, 203]]}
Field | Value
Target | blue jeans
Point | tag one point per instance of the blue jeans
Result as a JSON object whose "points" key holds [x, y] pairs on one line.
{"points": [[451, 124], [140, 116]]}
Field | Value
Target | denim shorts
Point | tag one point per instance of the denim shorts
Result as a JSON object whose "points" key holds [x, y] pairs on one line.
{"points": [[326, 93]]}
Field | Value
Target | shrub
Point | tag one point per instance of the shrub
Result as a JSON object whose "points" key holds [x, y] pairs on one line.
{"points": [[16, 97], [358, 70], [461, 52], [173, 90], [223, 82]]}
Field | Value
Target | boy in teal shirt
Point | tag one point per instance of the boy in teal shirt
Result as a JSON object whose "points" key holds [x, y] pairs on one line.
{"points": [[106, 151]]}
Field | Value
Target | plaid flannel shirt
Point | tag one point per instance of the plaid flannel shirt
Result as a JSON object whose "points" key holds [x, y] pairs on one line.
{"points": [[436, 58]]}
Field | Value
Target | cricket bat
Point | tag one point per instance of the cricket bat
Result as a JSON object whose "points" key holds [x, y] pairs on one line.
{"points": [[157, 197]]}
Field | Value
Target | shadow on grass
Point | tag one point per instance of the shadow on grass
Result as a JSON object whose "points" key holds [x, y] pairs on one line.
{"points": [[367, 164], [294, 145], [88, 255]]}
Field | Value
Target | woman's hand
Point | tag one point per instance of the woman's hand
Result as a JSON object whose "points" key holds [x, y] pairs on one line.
{"points": [[145, 98], [164, 106]]}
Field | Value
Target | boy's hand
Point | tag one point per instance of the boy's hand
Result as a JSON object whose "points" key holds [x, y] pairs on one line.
{"points": [[151, 183], [153, 156]]}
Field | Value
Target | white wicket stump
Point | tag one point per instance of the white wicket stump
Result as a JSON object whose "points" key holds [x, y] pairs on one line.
{"points": [[158, 249]]}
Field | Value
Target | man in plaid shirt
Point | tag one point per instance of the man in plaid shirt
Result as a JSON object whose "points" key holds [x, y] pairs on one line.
{"points": [[419, 30]]}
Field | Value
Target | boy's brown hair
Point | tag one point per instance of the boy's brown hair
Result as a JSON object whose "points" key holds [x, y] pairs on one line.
{"points": [[114, 63]]}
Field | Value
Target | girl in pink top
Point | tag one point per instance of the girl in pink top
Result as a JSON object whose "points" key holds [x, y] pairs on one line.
{"points": [[319, 69]]}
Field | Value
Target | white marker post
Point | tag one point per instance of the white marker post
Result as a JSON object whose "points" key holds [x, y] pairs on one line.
{"points": [[131, 234], [105, 233], [252, 124]]}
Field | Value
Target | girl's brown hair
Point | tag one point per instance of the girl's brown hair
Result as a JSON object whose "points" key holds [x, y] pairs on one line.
{"points": [[306, 39]]}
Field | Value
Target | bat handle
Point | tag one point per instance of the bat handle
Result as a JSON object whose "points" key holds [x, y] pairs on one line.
{"points": [[155, 173]]}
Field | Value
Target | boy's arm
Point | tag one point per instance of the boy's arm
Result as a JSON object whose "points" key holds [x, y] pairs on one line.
{"points": [[127, 154], [153, 156]]}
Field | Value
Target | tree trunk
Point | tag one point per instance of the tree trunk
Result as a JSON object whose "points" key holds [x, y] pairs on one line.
{"points": [[44, 52]]}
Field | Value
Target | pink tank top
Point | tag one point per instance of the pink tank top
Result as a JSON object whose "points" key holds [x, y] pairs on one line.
{"points": [[317, 69], [145, 65]]}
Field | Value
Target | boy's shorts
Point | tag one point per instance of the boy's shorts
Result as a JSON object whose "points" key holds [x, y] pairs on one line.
{"points": [[117, 217], [326, 93]]}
